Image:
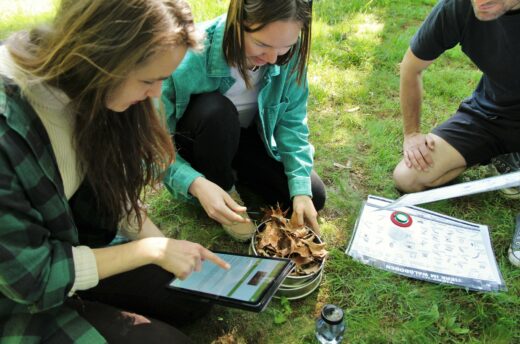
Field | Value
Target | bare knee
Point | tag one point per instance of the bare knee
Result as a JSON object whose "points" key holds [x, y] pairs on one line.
{"points": [[407, 179]]}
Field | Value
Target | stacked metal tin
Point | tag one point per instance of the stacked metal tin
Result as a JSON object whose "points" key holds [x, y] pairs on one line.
{"points": [[294, 287]]}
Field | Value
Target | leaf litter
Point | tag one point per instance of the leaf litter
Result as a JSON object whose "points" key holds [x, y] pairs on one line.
{"points": [[282, 237]]}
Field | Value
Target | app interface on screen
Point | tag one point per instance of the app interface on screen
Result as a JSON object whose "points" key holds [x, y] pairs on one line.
{"points": [[246, 280]]}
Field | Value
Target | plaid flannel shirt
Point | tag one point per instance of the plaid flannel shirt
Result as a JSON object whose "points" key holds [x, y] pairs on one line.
{"points": [[38, 228]]}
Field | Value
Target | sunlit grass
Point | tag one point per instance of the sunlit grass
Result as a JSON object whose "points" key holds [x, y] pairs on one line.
{"points": [[17, 8], [19, 14]]}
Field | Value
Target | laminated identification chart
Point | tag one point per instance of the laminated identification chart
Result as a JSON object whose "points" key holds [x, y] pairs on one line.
{"points": [[425, 245]]}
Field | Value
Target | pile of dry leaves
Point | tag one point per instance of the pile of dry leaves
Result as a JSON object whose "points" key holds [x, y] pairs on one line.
{"points": [[282, 238]]}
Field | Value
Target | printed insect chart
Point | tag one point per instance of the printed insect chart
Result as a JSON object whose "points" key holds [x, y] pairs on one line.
{"points": [[425, 245]]}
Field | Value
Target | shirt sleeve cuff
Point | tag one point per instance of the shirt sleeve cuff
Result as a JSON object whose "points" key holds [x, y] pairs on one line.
{"points": [[85, 269], [300, 186]]}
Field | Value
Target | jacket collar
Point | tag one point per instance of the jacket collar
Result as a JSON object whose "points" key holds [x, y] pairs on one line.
{"points": [[17, 122]]}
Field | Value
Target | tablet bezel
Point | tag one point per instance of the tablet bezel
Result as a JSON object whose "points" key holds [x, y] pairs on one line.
{"points": [[263, 300]]}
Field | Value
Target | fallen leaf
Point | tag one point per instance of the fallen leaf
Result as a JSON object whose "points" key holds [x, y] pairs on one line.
{"points": [[281, 237], [348, 166]]}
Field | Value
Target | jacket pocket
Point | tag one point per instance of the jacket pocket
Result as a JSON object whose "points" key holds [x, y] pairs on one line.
{"points": [[273, 113]]}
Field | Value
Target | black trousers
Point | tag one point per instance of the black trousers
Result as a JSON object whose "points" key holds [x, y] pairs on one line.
{"points": [[209, 137], [136, 307]]}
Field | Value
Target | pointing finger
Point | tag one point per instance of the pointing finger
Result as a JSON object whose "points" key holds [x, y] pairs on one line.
{"points": [[207, 254]]}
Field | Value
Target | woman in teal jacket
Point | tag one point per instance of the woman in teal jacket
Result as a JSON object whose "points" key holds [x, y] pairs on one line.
{"points": [[238, 112]]}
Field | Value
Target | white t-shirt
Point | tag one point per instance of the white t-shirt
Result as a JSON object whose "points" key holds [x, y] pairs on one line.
{"points": [[244, 99]]}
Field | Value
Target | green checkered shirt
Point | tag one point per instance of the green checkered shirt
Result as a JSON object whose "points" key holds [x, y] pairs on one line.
{"points": [[38, 228]]}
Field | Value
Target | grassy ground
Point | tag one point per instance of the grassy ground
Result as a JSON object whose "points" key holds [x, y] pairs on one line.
{"points": [[355, 120], [20, 14]]}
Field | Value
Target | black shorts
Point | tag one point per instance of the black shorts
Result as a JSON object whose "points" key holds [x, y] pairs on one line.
{"points": [[478, 137]]}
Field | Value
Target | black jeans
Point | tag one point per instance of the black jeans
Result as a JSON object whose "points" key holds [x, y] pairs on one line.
{"points": [[136, 307], [209, 137]]}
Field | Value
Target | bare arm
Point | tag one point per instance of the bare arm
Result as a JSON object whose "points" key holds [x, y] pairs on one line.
{"points": [[113, 260], [180, 257], [129, 227], [177, 256], [416, 146], [149, 229]]}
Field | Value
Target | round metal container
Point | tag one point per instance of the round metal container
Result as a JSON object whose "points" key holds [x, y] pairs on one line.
{"points": [[299, 292], [293, 287]]}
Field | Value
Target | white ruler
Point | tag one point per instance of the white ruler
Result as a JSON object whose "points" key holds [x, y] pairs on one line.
{"points": [[457, 190]]}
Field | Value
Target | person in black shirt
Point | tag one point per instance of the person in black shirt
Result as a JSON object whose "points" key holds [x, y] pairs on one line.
{"points": [[487, 123]]}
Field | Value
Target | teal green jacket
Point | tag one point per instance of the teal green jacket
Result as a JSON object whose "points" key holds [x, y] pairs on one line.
{"points": [[282, 106]]}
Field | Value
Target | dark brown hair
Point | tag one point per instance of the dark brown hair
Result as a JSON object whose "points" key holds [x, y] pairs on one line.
{"points": [[243, 14], [90, 49]]}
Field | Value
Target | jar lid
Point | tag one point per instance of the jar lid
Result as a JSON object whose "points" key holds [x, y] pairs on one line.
{"points": [[332, 314], [401, 219]]}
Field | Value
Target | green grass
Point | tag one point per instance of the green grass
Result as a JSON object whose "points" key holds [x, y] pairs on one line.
{"points": [[354, 117], [21, 14]]}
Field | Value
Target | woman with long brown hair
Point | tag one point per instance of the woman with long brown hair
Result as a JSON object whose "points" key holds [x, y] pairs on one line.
{"points": [[239, 114], [79, 141]]}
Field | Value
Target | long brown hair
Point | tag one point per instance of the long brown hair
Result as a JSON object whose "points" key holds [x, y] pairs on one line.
{"points": [[91, 48], [242, 14]]}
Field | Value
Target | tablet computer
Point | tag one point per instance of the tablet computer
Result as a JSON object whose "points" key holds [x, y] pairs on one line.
{"points": [[249, 284]]}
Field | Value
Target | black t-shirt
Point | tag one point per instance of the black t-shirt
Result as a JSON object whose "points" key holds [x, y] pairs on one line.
{"points": [[494, 46]]}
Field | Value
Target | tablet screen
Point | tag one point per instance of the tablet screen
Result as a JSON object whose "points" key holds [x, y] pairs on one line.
{"points": [[247, 279]]}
